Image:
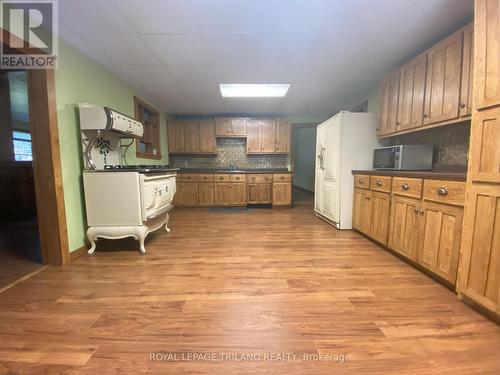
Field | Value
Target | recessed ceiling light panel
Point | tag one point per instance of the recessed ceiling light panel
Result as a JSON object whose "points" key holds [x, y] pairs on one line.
{"points": [[244, 90]]}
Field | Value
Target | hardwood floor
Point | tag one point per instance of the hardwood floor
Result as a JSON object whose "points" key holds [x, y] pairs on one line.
{"points": [[263, 281]]}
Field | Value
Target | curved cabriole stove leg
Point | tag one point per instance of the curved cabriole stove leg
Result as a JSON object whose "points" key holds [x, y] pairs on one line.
{"points": [[167, 217], [92, 239]]}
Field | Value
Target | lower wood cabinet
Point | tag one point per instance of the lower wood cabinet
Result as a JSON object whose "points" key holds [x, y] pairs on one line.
{"points": [[222, 194], [404, 226], [439, 249], [282, 193], [259, 193], [187, 194], [362, 210], [380, 207], [206, 194]]}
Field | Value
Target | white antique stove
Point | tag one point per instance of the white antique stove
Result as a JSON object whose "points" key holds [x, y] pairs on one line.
{"points": [[121, 200]]}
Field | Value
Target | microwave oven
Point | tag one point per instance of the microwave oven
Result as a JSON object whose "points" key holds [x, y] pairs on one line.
{"points": [[403, 157]]}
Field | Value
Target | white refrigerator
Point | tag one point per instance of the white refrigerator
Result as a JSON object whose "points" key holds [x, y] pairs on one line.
{"points": [[343, 143]]}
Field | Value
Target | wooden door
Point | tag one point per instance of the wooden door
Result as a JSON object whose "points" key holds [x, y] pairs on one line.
{"points": [[238, 126], [484, 164], [176, 136], [266, 136], [192, 136], [222, 194], [190, 194], [253, 138], [389, 97], [282, 136], [222, 127], [366, 212], [357, 208], [467, 71], [380, 211], [479, 272], [253, 193], [207, 136], [206, 194], [282, 194], [411, 93], [265, 193], [439, 249], [444, 72], [238, 194], [487, 53], [404, 226]]}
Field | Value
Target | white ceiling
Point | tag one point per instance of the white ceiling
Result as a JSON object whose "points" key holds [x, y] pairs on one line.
{"points": [[333, 52]]}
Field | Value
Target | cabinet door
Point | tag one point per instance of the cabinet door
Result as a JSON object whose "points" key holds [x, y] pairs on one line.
{"points": [[357, 208], [192, 136], [176, 136], [282, 194], [238, 126], [411, 94], [467, 69], [222, 196], [487, 53], [238, 194], [404, 226], [207, 136], [479, 272], [389, 96], [282, 136], [190, 194], [265, 193], [177, 201], [253, 193], [366, 212], [439, 249], [253, 139], [206, 194], [484, 152], [266, 136], [444, 71], [223, 127], [380, 211]]}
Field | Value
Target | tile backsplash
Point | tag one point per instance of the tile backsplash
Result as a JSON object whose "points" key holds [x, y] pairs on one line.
{"points": [[230, 151], [451, 143]]}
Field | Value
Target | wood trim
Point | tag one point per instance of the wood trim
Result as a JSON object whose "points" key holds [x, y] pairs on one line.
{"points": [[81, 251], [47, 167], [139, 102], [426, 127]]}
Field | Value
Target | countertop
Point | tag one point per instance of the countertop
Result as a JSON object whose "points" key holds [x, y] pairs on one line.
{"points": [[216, 170], [455, 175]]}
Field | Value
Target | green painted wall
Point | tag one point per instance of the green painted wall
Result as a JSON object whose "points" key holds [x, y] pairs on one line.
{"points": [[80, 79]]}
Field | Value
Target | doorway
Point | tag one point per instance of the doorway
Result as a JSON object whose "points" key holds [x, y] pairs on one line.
{"points": [[304, 161], [19, 236]]}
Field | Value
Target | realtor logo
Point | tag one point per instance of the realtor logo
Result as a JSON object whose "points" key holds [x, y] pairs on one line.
{"points": [[29, 35]]}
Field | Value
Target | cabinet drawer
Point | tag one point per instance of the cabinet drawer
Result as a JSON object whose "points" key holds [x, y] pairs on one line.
{"points": [[238, 177], [259, 178], [284, 177], [451, 192], [221, 177], [205, 177], [188, 177], [381, 183], [361, 181], [409, 187]]}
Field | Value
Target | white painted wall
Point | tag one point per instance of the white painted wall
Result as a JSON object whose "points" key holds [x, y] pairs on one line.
{"points": [[304, 139]]}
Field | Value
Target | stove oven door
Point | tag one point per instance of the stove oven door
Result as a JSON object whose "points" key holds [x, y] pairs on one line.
{"points": [[157, 196]]}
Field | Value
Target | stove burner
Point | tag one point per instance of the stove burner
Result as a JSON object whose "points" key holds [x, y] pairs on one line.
{"points": [[134, 167]]}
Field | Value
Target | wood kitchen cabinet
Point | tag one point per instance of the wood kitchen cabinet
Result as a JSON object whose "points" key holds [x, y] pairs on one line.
{"points": [[238, 194], [187, 194], [379, 211], [222, 194], [411, 94], [442, 89], [362, 210], [208, 142], [259, 188], [389, 97], [487, 53], [230, 127], [282, 193], [253, 136], [467, 71], [439, 248], [206, 194], [267, 136], [404, 226], [176, 136], [282, 136], [191, 136]]}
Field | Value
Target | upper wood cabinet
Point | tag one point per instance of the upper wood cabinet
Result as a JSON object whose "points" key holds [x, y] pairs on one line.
{"points": [[282, 136], [267, 139], [487, 53], [467, 70], [389, 97], [230, 127], [411, 94], [253, 136], [442, 90], [484, 164], [176, 136], [208, 142], [192, 136]]}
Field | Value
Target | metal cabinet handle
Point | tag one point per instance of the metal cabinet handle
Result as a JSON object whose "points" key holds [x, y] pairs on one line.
{"points": [[442, 191], [462, 105], [416, 210], [426, 115], [360, 180], [421, 211], [379, 183], [405, 186]]}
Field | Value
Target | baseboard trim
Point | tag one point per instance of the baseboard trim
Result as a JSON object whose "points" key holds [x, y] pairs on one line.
{"points": [[74, 255]]}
